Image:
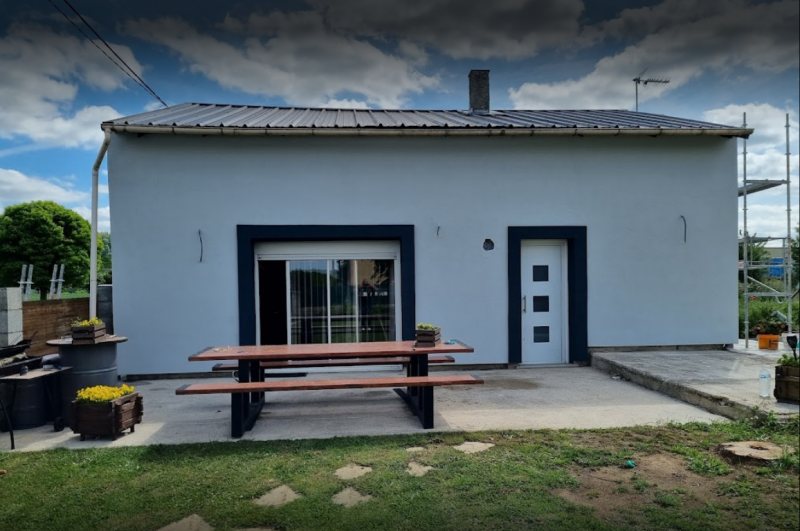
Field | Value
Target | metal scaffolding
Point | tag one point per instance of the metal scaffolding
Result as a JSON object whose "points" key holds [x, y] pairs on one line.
{"points": [[750, 186]]}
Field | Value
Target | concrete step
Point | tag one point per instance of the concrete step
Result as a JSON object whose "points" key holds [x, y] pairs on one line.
{"points": [[722, 382]]}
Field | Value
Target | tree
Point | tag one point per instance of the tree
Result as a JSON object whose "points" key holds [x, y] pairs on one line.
{"points": [[44, 233], [755, 253], [104, 258]]}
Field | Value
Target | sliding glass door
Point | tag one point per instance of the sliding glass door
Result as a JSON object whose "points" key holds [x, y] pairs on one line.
{"points": [[328, 299], [308, 302]]}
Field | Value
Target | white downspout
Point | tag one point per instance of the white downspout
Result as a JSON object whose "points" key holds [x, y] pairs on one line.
{"points": [[93, 255]]}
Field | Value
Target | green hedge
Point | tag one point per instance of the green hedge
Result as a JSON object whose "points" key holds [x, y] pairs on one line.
{"points": [[761, 314]]}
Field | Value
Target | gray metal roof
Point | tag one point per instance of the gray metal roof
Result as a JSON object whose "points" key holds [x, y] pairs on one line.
{"points": [[205, 118]]}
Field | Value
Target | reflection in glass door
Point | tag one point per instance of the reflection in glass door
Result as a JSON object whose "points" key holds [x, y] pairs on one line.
{"points": [[332, 301], [308, 302]]}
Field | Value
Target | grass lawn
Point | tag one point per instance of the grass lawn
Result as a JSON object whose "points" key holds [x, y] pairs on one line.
{"points": [[65, 294], [543, 480]]}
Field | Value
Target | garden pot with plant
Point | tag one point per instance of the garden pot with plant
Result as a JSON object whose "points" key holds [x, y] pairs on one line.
{"points": [[768, 333], [787, 375], [103, 410], [87, 331], [428, 335]]}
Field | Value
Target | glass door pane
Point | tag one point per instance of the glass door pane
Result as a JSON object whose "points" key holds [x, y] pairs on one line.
{"points": [[308, 288], [344, 317], [376, 300]]}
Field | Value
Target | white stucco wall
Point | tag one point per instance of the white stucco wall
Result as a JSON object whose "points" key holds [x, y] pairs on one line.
{"points": [[645, 286]]}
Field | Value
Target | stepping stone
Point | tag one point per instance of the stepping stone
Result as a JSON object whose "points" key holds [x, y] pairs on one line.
{"points": [[190, 523], [473, 447], [350, 497], [752, 450], [417, 470], [352, 471], [277, 497], [415, 449]]}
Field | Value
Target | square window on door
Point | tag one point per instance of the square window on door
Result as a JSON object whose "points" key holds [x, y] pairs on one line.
{"points": [[541, 273], [541, 334], [541, 303]]}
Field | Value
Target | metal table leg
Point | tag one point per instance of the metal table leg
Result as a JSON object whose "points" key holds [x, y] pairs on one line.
{"points": [[419, 399], [8, 422], [246, 407], [55, 404]]}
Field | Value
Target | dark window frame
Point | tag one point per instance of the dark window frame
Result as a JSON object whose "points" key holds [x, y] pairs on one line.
{"points": [[247, 236]]}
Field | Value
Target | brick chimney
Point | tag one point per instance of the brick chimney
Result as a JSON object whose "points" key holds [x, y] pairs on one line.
{"points": [[479, 91]]}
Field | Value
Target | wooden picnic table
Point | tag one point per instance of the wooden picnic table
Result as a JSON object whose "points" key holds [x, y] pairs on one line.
{"points": [[246, 406]]}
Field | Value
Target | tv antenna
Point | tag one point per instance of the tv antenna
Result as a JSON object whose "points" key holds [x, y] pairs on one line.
{"points": [[639, 81]]}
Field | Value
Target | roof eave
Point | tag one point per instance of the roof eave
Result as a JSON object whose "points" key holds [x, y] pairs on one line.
{"points": [[427, 131]]}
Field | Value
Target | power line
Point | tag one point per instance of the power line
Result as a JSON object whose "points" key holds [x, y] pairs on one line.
{"points": [[138, 80]]}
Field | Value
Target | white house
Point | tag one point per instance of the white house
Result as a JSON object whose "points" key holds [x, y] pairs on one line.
{"points": [[533, 236]]}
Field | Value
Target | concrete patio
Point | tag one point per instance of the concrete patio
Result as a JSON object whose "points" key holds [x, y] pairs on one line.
{"points": [[725, 382], [554, 398]]}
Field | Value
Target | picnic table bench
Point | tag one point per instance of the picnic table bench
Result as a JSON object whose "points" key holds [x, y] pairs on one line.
{"points": [[248, 394], [343, 362]]}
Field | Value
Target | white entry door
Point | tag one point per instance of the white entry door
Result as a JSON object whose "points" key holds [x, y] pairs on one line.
{"points": [[544, 301]]}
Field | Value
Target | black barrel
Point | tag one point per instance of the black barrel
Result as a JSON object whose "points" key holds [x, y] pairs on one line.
{"points": [[28, 409], [91, 365]]}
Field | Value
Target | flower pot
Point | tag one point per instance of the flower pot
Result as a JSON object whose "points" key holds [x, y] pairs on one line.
{"points": [[787, 384], [428, 338], [87, 335], [768, 341], [111, 418]]}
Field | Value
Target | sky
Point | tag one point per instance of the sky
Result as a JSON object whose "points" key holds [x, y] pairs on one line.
{"points": [[723, 58]]}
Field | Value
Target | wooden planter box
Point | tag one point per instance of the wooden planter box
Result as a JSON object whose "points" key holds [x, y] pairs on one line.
{"points": [[787, 384], [428, 338], [87, 335], [107, 419]]}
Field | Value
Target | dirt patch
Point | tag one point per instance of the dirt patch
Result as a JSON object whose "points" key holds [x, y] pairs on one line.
{"points": [[190, 523], [661, 478], [352, 471], [277, 497], [350, 497], [506, 384]]}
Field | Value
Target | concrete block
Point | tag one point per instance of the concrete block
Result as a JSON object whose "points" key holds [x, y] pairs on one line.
{"points": [[10, 299], [10, 321]]}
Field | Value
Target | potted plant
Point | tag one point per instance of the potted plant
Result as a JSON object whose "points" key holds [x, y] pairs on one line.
{"points": [[87, 331], [104, 410], [768, 333], [427, 335], [787, 375]]}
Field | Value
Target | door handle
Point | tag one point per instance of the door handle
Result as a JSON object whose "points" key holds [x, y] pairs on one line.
{"points": [[524, 303]]}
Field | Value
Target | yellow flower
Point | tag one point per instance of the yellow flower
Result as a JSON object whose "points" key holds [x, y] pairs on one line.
{"points": [[87, 322], [100, 394]]}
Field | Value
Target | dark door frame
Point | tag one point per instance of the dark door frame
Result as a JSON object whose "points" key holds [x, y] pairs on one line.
{"points": [[577, 282], [247, 236]]}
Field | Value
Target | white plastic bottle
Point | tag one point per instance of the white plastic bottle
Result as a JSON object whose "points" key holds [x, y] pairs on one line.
{"points": [[765, 383]]}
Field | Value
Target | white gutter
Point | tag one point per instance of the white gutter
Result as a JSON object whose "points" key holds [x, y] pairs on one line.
{"points": [[93, 255], [421, 131]]}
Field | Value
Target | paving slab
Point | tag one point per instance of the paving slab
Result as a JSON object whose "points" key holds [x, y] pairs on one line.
{"points": [[725, 382], [554, 398]]}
